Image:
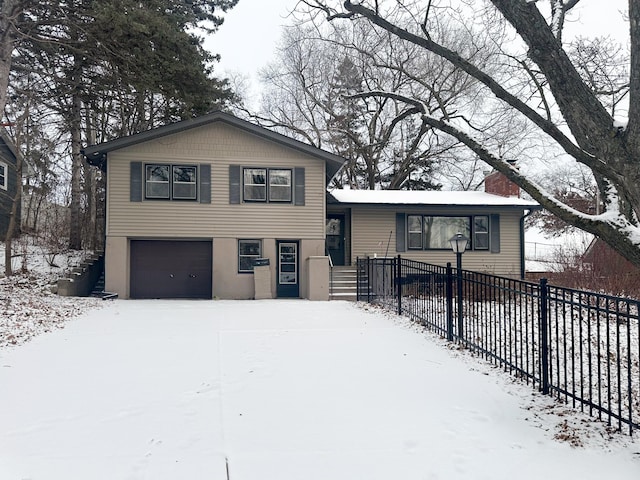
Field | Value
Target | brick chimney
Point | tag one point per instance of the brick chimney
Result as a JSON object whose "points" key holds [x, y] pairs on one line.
{"points": [[496, 183]]}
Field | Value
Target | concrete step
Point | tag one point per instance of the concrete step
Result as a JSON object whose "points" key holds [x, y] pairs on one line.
{"points": [[344, 284]]}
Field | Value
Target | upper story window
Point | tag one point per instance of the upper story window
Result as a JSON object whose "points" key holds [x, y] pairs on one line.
{"points": [[171, 182], [4, 181], [267, 185], [425, 232]]}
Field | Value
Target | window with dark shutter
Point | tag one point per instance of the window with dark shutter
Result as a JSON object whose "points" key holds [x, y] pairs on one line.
{"points": [[494, 228], [205, 183], [400, 232], [135, 182], [299, 181], [234, 184]]}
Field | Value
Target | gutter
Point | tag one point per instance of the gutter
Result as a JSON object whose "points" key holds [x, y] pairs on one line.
{"points": [[522, 261]]}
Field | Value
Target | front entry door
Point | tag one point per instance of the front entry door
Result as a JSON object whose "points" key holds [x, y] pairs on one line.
{"points": [[288, 269], [335, 238]]}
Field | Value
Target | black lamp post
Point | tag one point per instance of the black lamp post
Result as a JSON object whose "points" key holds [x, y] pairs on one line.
{"points": [[458, 245]]}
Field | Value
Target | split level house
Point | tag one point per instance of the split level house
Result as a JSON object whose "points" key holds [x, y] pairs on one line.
{"points": [[10, 181], [191, 206]]}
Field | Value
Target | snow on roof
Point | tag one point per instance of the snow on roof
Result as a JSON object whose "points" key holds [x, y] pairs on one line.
{"points": [[428, 197]]}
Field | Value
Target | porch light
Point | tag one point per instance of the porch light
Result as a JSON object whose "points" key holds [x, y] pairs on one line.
{"points": [[458, 243]]}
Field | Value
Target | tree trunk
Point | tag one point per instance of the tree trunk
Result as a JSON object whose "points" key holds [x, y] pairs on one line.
{"points": [[13, 227], [75, 227], [9, 9]]}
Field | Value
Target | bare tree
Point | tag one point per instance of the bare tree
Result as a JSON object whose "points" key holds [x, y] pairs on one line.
{"points": [[538, 84], [316, 89]]}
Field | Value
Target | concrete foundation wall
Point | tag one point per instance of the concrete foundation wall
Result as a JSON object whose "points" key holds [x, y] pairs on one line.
{"points": [[227, 282]]}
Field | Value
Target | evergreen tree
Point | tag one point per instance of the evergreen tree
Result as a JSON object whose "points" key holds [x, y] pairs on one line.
{"points": [[116, 67]]}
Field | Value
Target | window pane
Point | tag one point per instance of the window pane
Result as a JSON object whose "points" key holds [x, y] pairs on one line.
{"points": [[157, 181], [280, 177], [255, 192], [246, 264], [157, 190], [184, 182], [248, 251], [414, 227], [184, 191], [481, 233], [255, 184], [287, 278], [280, 194], [438, 230], [255, 176], [280, 185], [288, 257], [158, 173], [249, 247], [184, 174], [333, 226]]}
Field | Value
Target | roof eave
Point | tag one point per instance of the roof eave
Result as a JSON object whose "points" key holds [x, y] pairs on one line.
{"points": [[447, 205]]}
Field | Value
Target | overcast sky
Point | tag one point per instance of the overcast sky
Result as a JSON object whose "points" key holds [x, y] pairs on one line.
{"points": [[248, 38]]}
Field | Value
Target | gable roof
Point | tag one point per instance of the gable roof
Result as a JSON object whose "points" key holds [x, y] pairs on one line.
{"points": [[429, 197], [97, 154]]}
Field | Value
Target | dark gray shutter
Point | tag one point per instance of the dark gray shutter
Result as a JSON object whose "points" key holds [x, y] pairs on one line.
{"points": [[494, 229], [205, 182], [401, 232], [298, 181], [234, 183], [135, 182]]}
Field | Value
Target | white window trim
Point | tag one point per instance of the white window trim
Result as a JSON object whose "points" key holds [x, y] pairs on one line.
{"points": [[4, 185], [267, 185], [170, 183], [259, 255], [472, 233]]}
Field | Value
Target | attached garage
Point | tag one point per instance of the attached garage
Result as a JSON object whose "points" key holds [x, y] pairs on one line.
{"points": [[171, 269]]}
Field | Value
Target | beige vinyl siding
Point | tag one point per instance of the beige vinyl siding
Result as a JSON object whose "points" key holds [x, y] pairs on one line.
{"points": [[220, 145], [375, 227]]}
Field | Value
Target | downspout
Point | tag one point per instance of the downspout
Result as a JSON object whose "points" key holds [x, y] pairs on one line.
{"points": [[522, 262]]}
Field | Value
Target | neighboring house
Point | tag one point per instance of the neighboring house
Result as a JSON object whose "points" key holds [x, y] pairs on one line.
{"points": [[419, 224], [191, 206], [9, 182], [603, 262]]}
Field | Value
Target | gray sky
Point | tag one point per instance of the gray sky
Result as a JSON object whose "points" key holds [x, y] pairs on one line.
{"points": [[248, 38]]}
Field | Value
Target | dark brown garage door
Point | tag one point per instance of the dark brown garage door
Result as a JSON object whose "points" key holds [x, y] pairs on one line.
{"points": [[170, 269]]}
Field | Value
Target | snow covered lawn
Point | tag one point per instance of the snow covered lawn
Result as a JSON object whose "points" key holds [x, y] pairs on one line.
{"points": [[286, 390]]}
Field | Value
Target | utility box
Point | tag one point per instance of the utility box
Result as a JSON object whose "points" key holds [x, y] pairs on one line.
{"points": [[262, 279]]}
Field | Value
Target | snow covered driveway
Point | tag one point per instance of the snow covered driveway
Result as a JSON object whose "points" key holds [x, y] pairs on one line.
{"points": [[286, 390]]}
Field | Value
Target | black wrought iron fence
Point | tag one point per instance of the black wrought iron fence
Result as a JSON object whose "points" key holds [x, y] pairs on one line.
{"points": [[580, 346]]}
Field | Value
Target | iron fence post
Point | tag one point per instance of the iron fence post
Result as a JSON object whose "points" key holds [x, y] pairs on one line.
{"points": [[398, 274], [358, 279], [449, 295], [459, 288], [544, 335], [369, 280]]}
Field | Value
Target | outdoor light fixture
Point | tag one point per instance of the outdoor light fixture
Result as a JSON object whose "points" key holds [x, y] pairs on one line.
{"points": [[458, 243]]}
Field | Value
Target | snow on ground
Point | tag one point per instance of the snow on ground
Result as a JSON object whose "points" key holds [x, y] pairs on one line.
{"points": [[278, 389], [27, 306], [545, 253]]}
